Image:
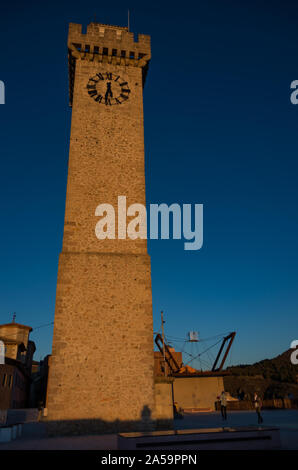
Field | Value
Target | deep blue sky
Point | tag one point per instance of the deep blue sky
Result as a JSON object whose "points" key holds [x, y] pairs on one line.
{"points": [[219, 130]]}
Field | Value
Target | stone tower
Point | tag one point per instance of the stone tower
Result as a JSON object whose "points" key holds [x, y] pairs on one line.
{"points": [[101, 372]]}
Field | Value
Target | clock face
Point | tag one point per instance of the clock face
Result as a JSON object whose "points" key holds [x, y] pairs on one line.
{"points": [[108, 88]]}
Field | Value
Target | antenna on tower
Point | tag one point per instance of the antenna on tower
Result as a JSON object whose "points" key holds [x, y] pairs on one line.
{"points": [[14, 317], [128, 20]]}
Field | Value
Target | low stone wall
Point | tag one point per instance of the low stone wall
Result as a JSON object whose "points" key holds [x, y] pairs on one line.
{"points": [[197, 393], [281, 403], [276, 403], [22, 415]]}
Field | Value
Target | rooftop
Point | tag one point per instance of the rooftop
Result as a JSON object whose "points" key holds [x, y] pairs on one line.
{"points": [[25, 327]]}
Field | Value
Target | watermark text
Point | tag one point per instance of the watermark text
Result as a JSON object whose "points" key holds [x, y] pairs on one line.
{"points": [[187, 222]]}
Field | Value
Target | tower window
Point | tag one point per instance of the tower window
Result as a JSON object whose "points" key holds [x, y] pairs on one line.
{"points": [[141, 55], [105, 51], [78, 46], [87, 48], [114, 52], [96, 50], [131, 55], [123, 53]]}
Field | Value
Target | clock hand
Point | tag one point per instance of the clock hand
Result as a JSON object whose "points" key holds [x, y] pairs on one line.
{"points": [[109, 93]]}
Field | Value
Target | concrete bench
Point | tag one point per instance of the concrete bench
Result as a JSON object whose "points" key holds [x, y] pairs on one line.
{"points": [[229, 438]]}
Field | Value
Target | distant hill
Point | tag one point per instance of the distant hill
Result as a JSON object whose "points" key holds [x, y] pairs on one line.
{"points": [[279, 369], [274, 378]]}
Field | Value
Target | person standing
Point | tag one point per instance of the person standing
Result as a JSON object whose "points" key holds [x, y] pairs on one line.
{"points": [[223, 405], [258, 406]]}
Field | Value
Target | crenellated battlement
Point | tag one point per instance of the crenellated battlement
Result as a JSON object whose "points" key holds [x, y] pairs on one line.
{"points": [[109, 44], [113, 41]]}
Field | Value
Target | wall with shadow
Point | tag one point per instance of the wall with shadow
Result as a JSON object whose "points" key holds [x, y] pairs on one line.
{"points": [[146, 423]]}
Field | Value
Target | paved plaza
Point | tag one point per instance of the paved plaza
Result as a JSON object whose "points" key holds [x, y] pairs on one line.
{"points": [[286, 420]]}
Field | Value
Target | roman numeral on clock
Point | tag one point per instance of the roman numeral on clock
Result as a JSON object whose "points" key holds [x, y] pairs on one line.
{"points": [[104, 88]]}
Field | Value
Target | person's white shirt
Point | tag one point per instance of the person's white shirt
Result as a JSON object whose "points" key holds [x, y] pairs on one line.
{"points": [[223, 399]]}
